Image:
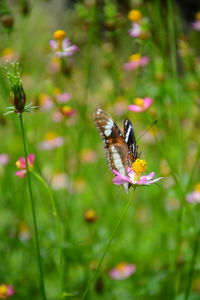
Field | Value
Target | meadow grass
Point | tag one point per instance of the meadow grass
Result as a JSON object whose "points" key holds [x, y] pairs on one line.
{"points": [[160, 231]]}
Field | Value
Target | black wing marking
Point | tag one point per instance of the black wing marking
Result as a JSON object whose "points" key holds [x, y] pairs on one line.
{"points": [[129, 137]]}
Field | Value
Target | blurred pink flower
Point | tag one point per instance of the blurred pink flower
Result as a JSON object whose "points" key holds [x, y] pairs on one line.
{"points": [[62, 98], [67, 111], [63, 48], [57, 117], [194, 197], [6, 291], [122, 271], [4, 159], [59, 181], [45, 102], [196, 25], [52, 141], [21, 164], [135, 30], [141, 104], [136, 61]]}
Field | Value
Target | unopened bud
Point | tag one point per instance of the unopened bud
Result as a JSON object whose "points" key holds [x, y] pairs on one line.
{"points": [[17, 94]]}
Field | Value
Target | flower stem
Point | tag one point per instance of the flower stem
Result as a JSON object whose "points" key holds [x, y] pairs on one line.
{"points": [[124, 211], [55, 213], [192, 265], [33, 210]]}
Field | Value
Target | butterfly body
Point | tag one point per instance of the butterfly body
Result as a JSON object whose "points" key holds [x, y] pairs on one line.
{"points": [[121, 149]]}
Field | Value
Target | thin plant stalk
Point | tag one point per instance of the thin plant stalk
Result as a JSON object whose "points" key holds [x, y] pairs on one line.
{"points": [[33, 210], [123, 214], [192, 265], [43, 182]]}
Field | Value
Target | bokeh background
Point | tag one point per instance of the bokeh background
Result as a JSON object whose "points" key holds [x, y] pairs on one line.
{"points": [[126, 51]]}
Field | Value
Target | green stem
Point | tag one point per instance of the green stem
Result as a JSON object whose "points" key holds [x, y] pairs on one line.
{"points": [[33, 210], [192, 265], [46, 186], [124, 211]]}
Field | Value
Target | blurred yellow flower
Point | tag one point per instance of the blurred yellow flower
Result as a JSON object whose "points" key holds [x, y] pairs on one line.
{"points": [[134, 15], [59, 35], [135, 57]]}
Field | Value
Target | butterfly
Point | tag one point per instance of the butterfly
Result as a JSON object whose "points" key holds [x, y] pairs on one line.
{"points": [[121, 149]]}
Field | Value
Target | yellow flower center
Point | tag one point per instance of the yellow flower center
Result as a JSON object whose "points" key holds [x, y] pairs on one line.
{"points": [[134, 15], [59, 35], [66, 109], [197, 187], [139, 166], [139, 101], [121, 267], [135, 57], [197, 16], [3, 290], [7, 51], [56, 91], [50, 136]]}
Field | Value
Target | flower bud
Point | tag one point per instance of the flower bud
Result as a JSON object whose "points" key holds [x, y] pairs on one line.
{"points": [[17, 94]]}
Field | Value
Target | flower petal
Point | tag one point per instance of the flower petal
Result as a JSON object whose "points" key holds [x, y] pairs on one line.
{"points": [[135, 108], [21, 173], [53, 44], [31, 159]]}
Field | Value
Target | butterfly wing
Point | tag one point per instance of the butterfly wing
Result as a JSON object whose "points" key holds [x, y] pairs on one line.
{"points": [[117, 152], [129, 137]]}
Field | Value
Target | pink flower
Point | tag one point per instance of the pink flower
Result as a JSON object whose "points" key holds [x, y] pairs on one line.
{"points": [[141, 104], [4, 159], [196, 25], [67, 111], [63, 48], [122, 271], [135, 30], [21, 164], [136, 61], [6, 291], [134, 175], [194, 197], [133, 178], [62, 98], [52, 141]]}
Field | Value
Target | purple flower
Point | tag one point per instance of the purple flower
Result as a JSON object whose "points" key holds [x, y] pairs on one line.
{"points": [[196, 25], [194, 197], [122, 271], [63, 48], [4, 159], [135, 30]]}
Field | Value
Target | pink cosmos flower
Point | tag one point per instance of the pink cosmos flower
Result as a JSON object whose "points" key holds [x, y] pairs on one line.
{"points": [[52, 141], [4, 159], [62, 98], [194, 197], [133, 178], [122, 271], [196, 25], [136, 61], [135, 30], [63, 48], [141, 104], [67, 111], [6, 291], [21, 164]]}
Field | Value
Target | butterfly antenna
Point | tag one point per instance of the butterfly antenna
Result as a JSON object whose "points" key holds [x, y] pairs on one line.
{"points": [[154, 123]]}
